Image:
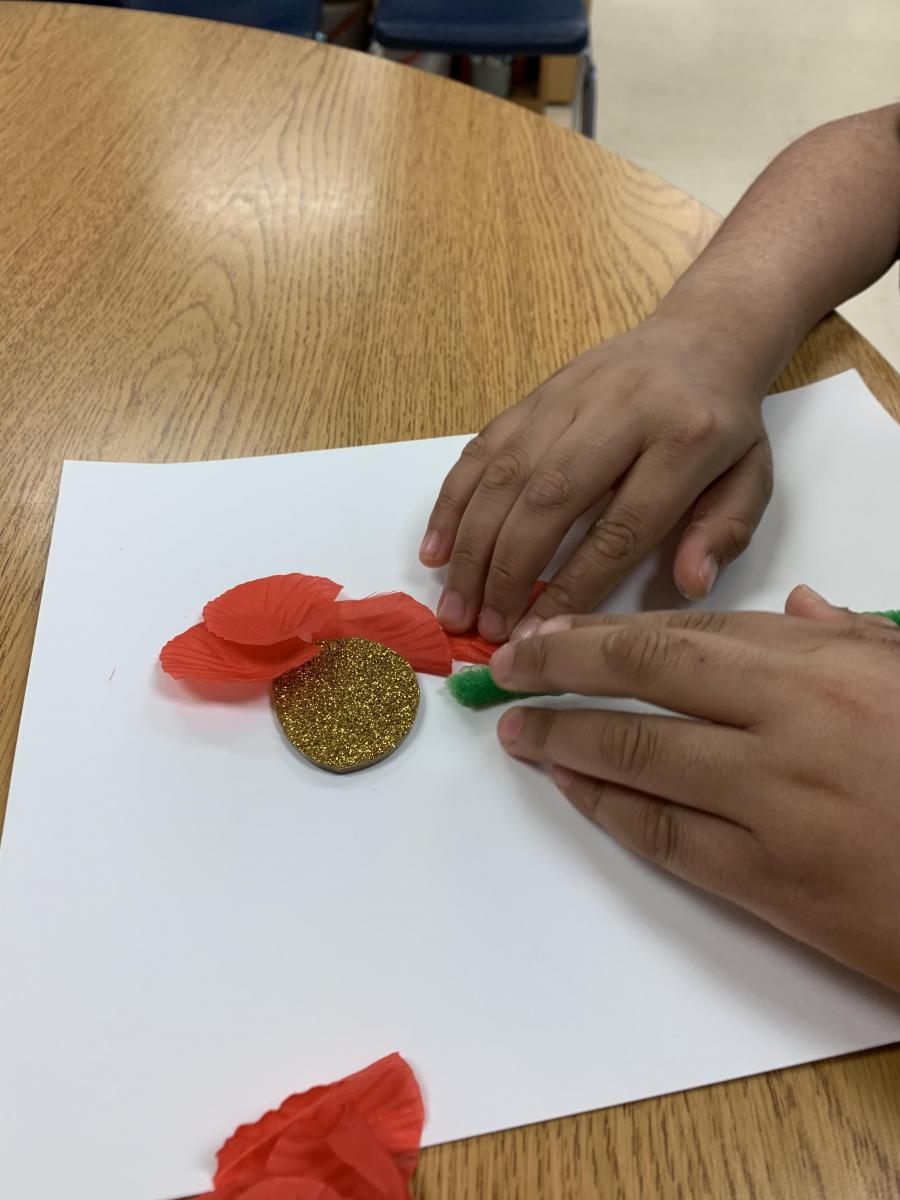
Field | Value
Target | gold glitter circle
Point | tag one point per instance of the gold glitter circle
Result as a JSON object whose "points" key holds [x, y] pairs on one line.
{"points": [[350, 706]]}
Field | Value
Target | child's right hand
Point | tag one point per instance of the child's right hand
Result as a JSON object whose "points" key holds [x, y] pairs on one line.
{"points": [[775, 785], [666, 418]]}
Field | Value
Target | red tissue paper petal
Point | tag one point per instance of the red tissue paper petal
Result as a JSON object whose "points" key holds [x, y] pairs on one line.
{"points": [[334, 1143], [199, 654], [384, 1095], [273, 609], [397, 621], [276, 1189], [292, 1189], [470, 647]]}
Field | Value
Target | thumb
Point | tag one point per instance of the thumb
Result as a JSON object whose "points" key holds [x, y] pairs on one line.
{"points": [[804, 602]]}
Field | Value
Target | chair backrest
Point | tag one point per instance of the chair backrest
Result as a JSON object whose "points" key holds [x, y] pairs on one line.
{"points": [[283, 16], [501, 27]]}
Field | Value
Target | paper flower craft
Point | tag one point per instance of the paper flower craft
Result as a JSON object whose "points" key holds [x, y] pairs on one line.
{"points": [[357, 1139], [342, 671], [260, 629]]}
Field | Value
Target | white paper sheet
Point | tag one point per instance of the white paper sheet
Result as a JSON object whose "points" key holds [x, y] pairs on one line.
{"points": [[195, 923]]}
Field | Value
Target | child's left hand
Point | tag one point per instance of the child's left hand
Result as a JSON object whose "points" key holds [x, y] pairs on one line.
{"points": [[783, 794]]}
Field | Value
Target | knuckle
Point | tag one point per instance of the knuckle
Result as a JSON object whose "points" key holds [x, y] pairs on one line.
{"points": [[626, 745], [504, 575], [506, 471], [708, 621], [735, 536], [448, 503], [767, 475], [635, 655], [549, 490], [477, 451], [537, 654], [659, 834], [592, 802], [616, 540], [539, 726], [560, 596], [467, 558], [695, 430]]}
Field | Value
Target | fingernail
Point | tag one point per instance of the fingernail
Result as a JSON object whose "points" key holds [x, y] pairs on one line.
{"points": [[431, 545], [556, 625], [814, 595], [502, 662], [817, 601], [492, 625], [451, 609], [709, 569], [562, 777], [526, 628], [510, 726]]}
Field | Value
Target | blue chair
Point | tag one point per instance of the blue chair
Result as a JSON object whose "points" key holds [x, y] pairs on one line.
{"points": [[283, 16], [498, 28]]}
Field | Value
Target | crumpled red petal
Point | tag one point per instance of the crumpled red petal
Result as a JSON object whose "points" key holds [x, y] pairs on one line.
{"points": [[388, 1096], [277, 1189], [385, 1095], [292, 1189], [397, 621], [273, 609], [470, 647], [199, 654], [334, 1143]]}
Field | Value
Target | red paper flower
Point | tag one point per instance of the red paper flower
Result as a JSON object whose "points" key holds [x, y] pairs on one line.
{"points": [[258, 630], [357, 1139]]}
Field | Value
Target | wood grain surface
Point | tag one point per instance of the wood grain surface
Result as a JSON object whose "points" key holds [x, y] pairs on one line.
{"points": [[217, 242]]}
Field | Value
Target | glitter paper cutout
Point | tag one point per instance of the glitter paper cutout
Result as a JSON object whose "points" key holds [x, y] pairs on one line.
{"points": [[350, 706], [357, 1139]]}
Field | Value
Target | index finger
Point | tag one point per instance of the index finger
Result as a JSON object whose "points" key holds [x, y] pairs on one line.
{"points": [[759, 628], [701, 675], [461, 482]]}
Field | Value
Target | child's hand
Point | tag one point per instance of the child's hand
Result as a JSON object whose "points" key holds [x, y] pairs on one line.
{"points": [[782, 795], [664, 417]]}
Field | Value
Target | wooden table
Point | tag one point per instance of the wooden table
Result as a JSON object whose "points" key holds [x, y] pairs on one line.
{"points": [[218, 242]]}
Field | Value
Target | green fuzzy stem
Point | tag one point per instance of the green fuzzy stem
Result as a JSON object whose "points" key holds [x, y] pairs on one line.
{"points": [[474, 687], [892, 614]]}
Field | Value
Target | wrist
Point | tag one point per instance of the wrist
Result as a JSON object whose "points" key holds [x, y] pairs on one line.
{"points": [[731, 333], [722, 342], [747, 319]]}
